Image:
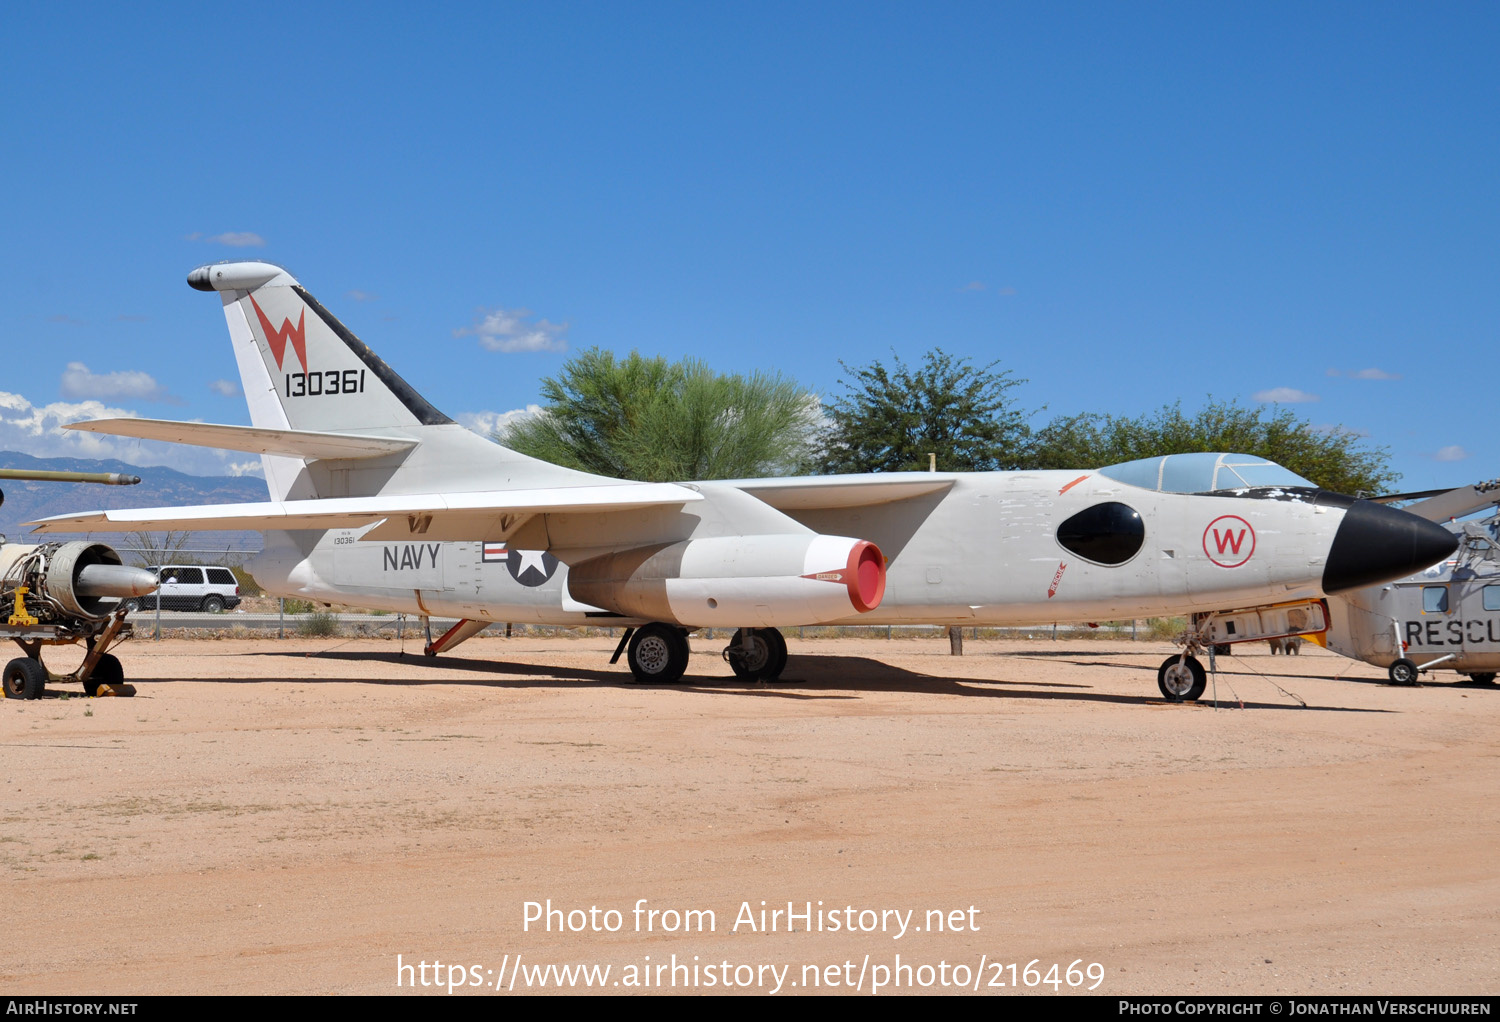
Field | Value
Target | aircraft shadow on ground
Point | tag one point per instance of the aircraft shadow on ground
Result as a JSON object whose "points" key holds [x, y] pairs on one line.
{"points": [[806, 678], [1231, 668]]}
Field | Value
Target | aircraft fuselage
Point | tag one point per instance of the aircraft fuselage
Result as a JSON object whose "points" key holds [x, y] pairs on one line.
{"points": [[986, 550]]}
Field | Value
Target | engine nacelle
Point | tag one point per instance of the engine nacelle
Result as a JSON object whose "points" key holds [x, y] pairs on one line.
{"points": [[736, 581], [78, 579]]}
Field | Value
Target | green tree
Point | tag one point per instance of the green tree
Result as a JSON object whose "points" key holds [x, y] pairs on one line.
{"points": [[891, 418], [658, 421], [1335, 459]]}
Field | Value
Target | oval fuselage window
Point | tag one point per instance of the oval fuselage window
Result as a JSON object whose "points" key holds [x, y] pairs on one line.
{"points": [[1109, 533]]}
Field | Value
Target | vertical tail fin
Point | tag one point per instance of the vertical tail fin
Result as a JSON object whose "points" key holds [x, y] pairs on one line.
{"points": [[303, 369]]}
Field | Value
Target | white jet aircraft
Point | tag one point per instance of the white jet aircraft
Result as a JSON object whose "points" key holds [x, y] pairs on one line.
{"points": [[380, 500]]}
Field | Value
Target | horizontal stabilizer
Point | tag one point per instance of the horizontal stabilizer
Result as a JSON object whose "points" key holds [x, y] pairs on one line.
{"points": [[807, 493], [487, 514], [298, 443]]}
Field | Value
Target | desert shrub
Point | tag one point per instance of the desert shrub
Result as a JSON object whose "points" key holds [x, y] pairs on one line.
{"points": [[1164, 629], [318, 624]]}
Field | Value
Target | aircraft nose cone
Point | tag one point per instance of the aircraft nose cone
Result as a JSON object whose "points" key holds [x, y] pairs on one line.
{"points": [[1378, 544]]}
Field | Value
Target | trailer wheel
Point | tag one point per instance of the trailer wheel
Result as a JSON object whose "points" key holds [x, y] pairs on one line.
{"points": [[1403, 672], [25, 678], [106, 672]]}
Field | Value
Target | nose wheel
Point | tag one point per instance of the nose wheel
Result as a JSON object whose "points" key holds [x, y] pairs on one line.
{"points": [[1181, 679]]}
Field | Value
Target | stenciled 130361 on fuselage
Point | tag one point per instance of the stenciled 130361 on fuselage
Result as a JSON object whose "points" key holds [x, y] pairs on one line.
{"points": [[380, 500]]}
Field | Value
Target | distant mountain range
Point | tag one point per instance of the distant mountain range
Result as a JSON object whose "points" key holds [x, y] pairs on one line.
{"points": [[159, 487]]}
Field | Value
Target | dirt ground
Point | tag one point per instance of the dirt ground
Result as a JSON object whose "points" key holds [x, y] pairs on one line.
{"points": [[290, 817]]}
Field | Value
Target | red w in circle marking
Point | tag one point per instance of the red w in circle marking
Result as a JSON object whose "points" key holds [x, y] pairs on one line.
{"points": [[1229, 541]]}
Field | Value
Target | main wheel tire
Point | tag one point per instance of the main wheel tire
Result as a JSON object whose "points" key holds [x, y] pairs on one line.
{"points": [[658, 654], [213, 604], [1482, 677], [778, 659], [25, 678], [767, 657], [1181, 679], [1403, 672], [107, 671], [751, 664]]}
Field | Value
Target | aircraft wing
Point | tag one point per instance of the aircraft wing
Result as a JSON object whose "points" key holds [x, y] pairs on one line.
{"points": [[484, 514], [807, 493], [297, 443]]}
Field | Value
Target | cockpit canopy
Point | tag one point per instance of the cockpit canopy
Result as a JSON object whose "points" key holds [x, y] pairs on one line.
{"points": [[1201, 473]]}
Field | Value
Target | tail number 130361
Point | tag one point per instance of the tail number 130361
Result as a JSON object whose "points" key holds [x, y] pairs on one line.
{"points": [[332, 381]]}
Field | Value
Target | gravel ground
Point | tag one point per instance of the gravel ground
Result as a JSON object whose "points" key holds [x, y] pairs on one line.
{"points": [[289, 817]]}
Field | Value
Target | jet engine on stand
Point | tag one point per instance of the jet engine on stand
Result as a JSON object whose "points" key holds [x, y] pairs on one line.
{"points": [[64, 593]]}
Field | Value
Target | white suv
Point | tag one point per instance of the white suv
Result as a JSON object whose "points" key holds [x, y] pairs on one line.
{"points": [[190, 587]]}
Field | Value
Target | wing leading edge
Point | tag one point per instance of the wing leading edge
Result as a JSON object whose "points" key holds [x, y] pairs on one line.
{"points": [[484, 514]]}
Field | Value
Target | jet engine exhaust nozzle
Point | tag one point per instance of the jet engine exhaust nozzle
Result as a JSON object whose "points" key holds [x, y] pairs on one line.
{"points": [[118, 580]]}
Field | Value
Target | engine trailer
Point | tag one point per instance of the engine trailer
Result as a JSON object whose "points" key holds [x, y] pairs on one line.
{"points": [[66, 594]]}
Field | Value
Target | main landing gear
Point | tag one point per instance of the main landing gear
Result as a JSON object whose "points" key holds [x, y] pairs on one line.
{"points": [[757, 654], [658, 653]]}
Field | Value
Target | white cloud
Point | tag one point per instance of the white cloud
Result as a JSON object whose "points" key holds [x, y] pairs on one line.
{"points": [[973, 285], [79, 382], [361, 296], [245, 468], [1284, 396], [37, 430], [238, 239], [1453, 452], [227, 388], [508, 330], [486, 423]]}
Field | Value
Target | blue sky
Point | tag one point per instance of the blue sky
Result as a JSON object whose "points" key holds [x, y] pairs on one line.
{"points": [[1125, 204]]}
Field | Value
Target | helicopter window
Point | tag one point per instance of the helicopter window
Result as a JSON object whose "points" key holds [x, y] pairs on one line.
{"points": [[1435, 599], [1109, 533], [1492, 597]]}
